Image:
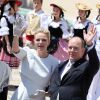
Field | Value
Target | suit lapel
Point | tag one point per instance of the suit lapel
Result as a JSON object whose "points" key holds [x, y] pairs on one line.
{"points": [[69, 77], [61, 66]]}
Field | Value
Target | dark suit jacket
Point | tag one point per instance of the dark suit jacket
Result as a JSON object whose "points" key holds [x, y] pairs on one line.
{"points": [[75, 83]]}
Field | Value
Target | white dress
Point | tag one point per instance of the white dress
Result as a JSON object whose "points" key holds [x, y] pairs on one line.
{"points": [[35, 75]]}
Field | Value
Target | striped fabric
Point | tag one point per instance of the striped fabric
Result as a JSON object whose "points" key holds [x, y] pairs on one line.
{"points": [[61, 53], [11, 61]]}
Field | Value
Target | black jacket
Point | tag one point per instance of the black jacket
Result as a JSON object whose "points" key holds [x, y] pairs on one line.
{"points": [[75, 83]]}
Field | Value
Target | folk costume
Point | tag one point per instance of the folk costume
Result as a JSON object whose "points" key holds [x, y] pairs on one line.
{"points": [[78, 25], [7, 28], [59, 35]]}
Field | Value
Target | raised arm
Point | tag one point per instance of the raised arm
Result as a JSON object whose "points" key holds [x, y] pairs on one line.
{"points": [[19, 52], [93, 58]]}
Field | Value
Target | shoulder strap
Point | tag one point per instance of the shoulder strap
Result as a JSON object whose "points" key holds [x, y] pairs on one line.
{"points": [[87, 25], [6, 19]]}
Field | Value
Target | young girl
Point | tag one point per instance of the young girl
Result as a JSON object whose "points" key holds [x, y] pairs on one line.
{"points": [[59, 31], [82, 23], [7, 21]]}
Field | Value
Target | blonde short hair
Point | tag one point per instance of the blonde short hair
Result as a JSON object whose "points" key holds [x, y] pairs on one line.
{"points": [[45, 31]]}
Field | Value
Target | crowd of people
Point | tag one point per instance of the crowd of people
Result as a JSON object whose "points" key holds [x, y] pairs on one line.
{"points": [[55, 59]]}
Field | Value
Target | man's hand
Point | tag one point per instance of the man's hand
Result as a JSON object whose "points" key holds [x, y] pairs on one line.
{"points": [[90, 35]]}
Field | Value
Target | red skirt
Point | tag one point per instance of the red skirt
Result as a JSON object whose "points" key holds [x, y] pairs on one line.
{"points": [[11, 61]]}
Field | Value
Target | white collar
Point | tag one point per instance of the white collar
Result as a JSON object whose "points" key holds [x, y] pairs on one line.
{"points": [[11, 18], [71, 61]]}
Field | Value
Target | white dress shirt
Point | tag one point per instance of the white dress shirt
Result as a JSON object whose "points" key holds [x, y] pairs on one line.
{"points": [[66, 68]]}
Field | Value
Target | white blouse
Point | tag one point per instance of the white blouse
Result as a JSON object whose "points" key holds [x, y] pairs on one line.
{"points": [[63, 25], [4, 30], [79, 25]]}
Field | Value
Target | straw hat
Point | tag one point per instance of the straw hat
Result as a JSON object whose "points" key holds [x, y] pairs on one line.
{"points": [[58, 4], [82, 6], [98, 6]]}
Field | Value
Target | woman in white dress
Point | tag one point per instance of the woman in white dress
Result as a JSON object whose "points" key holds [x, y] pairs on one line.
{"points": [[37, 67]]}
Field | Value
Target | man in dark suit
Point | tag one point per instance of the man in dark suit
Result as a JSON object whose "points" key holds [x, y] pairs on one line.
{"points": [[72, 78]]}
